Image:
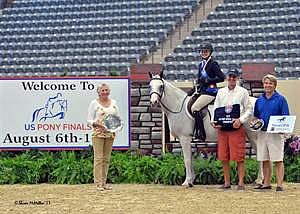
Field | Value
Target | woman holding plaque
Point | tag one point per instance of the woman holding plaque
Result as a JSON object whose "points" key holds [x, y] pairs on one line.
{"points": [[232, 108], [102, 138]]}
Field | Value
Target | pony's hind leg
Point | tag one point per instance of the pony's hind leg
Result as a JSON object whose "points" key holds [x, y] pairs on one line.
{"points": [[253, 141], [187, 155]]}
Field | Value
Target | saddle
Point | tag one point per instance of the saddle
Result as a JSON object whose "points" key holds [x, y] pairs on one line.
{"points": [[199, 130]]}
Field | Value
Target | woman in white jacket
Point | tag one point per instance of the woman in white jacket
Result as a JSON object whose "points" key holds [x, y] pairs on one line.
{"points": [[102, 139]]}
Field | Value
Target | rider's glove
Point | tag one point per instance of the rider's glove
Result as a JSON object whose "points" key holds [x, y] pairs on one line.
{"points": [[191, 92]]}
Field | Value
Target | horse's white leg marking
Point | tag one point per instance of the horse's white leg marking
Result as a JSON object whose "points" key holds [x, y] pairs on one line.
{"points": [[187, 155], [253, 141]]}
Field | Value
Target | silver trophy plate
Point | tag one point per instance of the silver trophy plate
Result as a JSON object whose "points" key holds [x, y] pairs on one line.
{"points": [[256, 124], [112, 123]]}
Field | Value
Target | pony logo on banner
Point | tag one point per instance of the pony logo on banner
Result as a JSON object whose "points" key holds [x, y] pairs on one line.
{"points": [[55, 107]]}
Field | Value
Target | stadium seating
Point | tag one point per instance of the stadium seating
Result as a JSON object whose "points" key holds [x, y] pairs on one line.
{"points": [[45, 37]]}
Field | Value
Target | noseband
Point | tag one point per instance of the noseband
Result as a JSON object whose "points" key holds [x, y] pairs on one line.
{"points": [[162, 90]]}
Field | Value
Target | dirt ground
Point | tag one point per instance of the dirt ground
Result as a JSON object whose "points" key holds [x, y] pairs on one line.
{"points": [[144, 199]]}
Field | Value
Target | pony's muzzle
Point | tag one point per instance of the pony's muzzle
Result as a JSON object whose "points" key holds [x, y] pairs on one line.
{"points": [[153, 103], [154, 100]]}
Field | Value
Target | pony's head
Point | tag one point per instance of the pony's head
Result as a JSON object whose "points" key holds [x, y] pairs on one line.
{"points": [[157, 88]]}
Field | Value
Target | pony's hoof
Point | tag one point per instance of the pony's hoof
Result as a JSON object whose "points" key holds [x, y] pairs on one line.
{"points": [[184, 184], [188, 185], [258, 182]]}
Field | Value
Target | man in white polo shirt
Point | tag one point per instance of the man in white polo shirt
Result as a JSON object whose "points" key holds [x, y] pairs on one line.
{"points": [[232, 108]]}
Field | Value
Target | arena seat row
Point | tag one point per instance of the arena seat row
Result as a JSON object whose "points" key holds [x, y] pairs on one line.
{"points": [[276, 47], [234, 56], [245, 1], [257, 6], [89, 41], [91, 18], [236, 22], [82, 29], [96, 14], [79, 34], [69, 46], [255, 14], [112, 5], [144, 25], [246, 30], [178, 76], [71, 60], [280, 63], [271, 40]]}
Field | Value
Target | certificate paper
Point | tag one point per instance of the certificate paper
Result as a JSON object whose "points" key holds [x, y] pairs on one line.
{"points": [[281, 124]]}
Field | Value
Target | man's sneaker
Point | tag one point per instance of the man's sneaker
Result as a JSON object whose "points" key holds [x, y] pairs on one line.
{"points": [[258, 186], [279, 189], [223, 187], [262, 188]]}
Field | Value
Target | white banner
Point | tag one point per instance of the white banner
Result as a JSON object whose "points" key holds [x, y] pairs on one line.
{"points": [[52, 113]]}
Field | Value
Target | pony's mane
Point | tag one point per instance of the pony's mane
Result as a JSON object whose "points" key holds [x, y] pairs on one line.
{"points": [[173, 87]]}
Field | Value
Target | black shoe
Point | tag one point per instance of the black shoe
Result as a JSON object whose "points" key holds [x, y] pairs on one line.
{"points": [[279, 189], [223, 187], [258, 186], [262, 188]]}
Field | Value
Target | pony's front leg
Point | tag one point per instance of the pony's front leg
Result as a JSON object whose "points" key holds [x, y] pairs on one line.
{"points": [[187, 155]]}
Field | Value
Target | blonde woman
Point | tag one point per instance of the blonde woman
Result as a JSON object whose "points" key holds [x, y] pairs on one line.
{"points": [[102, 139]]}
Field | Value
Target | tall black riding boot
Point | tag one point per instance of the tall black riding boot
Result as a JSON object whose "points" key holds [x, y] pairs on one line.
{"points": [[199, 130]]}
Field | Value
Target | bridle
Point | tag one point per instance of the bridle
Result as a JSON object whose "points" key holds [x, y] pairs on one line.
{"points": [[162, 89], [160, 94]]}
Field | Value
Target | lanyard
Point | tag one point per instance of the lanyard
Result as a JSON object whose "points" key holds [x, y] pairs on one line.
{"points": [[203, 67]]}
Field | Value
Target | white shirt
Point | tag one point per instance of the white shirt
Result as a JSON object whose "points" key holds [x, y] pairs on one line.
{"points": [[238, 95], [97, 112]]}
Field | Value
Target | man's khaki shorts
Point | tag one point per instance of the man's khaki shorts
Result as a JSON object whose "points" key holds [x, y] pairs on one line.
{"points": [[270, 146]]}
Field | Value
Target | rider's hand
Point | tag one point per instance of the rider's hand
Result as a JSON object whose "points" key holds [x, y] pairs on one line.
{"points": [[191, 92], [202, 79]]}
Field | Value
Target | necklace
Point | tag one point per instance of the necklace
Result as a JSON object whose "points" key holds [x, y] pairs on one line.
{"points": [[105, 103]]}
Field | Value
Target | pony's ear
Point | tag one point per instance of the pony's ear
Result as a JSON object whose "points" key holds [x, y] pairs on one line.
{"points": [[150, 75]]}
